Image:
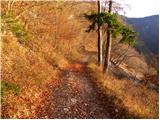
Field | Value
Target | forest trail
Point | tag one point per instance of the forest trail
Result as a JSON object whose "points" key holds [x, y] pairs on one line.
{"points": [[78, 96]]}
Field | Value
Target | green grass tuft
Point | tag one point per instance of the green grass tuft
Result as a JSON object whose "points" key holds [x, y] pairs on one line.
{"points": [[6, 87]]}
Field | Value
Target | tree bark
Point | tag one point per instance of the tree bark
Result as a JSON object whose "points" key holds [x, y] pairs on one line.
{"points": [[100, 41], [108, 44]]}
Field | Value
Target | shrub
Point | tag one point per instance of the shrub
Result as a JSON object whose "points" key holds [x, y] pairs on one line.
{"points": [[16, 28], [6, 87]]}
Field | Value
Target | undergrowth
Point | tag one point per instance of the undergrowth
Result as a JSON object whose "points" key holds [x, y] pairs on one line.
{"points": [[6, 87], [16, 27], [137, 99]]}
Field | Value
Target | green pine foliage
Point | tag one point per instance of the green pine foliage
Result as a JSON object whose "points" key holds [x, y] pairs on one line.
{"points": [[92, 17], [129, 36]]}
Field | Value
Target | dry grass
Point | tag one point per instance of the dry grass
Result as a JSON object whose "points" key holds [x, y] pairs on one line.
{"points": [[31, 73], [138, 99]]}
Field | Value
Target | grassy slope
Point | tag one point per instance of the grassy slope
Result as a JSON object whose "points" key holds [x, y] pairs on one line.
{"points": [[34, 66], [30, 72], [138, 99]]}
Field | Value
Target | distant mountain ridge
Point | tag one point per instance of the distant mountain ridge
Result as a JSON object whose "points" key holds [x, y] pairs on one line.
{"points": [[148, 29]]}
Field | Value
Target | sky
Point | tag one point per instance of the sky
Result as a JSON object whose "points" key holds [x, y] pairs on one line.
{"points": [[140, 8]]}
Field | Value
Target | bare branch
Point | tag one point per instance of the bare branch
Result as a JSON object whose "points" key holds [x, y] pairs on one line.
{"points": [[28, 9]]}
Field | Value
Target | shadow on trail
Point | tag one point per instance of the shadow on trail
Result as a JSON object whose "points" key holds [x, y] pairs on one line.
{"points": [[78, 96]]}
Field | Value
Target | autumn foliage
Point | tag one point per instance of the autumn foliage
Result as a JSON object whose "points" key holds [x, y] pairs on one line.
{"points": [[41, 50]]}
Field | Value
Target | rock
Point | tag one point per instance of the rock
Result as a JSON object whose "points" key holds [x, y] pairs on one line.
{"points": [[116, 110], [85, 104], [73, 100], [66, 109]]}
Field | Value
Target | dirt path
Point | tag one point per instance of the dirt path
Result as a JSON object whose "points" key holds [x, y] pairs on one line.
{"points": [[79, 97]]}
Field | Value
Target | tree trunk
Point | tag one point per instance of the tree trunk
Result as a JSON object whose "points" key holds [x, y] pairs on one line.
{"points": [[108, 44], [99, 36]]}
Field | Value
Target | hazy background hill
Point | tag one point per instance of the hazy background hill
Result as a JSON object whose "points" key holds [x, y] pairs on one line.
{"points": [[148, 28]]}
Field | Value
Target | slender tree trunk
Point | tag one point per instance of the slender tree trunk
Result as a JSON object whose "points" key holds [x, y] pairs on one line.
{"points": [[108, 44], [99, 36]]}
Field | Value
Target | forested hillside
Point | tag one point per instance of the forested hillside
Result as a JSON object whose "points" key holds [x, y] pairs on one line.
{"points": [[148, 28], [50, 66]]}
